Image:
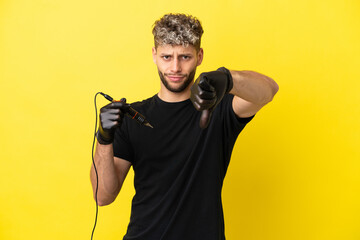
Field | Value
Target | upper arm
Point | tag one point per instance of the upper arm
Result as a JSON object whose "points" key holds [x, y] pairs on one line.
{"points": [[122, 168], [255, 89], [243, 108]]}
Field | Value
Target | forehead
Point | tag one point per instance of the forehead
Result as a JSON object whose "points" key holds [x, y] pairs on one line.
{"points": [[175, 49]]}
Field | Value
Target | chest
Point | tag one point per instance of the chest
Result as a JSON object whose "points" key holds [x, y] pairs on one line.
{"points": [[174, 135]]}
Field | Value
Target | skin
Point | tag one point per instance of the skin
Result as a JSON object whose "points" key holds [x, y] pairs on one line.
{"points": [[176, 66]]}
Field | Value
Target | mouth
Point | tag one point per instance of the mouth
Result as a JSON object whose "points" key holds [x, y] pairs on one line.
{"points": [[175, 78]]}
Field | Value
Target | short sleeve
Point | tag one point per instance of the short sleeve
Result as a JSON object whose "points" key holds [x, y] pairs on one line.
{"points": [[232, 122]]}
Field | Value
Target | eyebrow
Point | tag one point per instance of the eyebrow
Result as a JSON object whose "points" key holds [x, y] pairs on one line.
{"points": [[182, 54]]}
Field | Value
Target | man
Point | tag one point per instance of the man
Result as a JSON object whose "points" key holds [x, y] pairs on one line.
{"points": [[180, 164]]}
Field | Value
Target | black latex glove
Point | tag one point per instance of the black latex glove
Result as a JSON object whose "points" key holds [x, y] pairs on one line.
{"points": [[111, 117], [208, 90]]}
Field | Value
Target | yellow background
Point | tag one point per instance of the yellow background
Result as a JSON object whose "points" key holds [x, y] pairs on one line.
{"points": [[295, 171]]}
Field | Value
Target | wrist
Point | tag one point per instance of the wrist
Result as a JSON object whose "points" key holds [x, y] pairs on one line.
{"points": [[103, 141], [228, 78]]}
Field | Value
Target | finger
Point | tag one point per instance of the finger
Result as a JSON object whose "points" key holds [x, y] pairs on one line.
{"points": [[196, 105], [207, 94], [117, 123], [123, 106], [109, 124], [199, 107], [205, 118], [204, 84], [123, 100], [105, 112], [203, 103], [116, 104], [113, 115]]}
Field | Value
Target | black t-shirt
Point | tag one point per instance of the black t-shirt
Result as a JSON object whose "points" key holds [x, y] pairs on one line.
{"points": [[179, 169]]}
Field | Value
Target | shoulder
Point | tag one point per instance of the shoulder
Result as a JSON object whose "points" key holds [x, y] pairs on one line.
{"points": [[227, 111], [145, 102], [144, 105], [226, 103]]}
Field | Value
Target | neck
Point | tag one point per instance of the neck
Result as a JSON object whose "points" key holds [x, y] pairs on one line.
{"points": [[168, 96]]}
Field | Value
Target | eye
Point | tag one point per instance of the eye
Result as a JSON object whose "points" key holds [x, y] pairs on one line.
{"points": [[166, 57], [185, 57]]}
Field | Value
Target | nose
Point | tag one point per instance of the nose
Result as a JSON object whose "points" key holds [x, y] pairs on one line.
{"points": [[175, 66]]}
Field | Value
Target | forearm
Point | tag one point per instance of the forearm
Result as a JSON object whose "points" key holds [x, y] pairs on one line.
{"points": [[108, 186], [253, 87]]}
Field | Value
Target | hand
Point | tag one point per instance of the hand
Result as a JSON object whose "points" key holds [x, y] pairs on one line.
{"points": [[208, 90], [111, 117]]}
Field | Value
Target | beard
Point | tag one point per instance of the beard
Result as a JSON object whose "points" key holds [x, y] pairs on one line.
{"points": [[188, 79]]}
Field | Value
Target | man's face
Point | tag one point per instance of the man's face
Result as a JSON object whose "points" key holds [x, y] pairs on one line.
{"points": [[177, 65]]}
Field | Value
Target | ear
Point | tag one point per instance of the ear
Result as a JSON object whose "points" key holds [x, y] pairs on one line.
{"points": [[200, 56], [154, 54]]}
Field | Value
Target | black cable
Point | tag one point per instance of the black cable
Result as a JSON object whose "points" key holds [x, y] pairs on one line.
{"points": [[131, 113], [96, 173]]}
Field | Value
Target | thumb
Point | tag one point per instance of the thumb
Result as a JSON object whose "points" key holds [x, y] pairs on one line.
{"points": [[205, 118]]}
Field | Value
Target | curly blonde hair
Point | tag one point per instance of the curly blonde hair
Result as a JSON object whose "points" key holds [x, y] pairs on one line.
{"points": [[178, 29]]}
